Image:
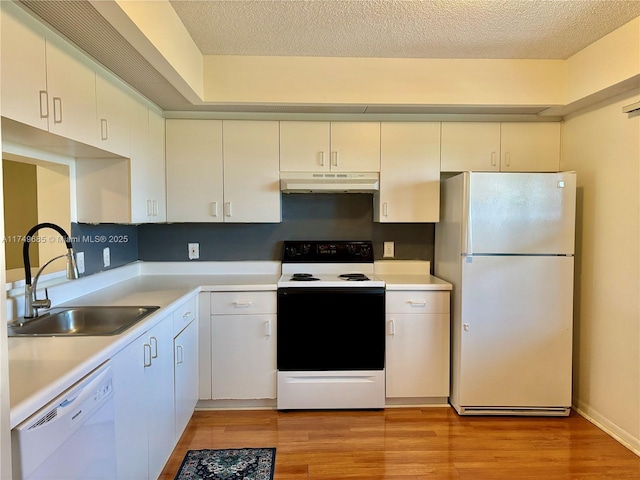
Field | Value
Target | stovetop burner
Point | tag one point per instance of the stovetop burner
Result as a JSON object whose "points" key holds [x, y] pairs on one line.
{"points": [[354, 277], [303, 277]]}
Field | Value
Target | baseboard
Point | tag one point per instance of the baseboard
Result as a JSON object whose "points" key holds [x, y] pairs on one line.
{"points": [[247, 404], [611, 429]]}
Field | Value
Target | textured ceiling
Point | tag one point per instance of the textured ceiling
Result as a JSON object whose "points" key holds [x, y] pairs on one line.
{"points": [[553, 29], [356, 28]]}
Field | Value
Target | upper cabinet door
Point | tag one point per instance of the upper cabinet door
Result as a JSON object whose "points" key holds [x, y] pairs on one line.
{"points": [[305, 146], [409, 173], [471, 146], [24, 73], [148, 191], [156, 172], [113, 112], [251, 171], [531, 147], [194, 170], [71, 89], [355, 146]]}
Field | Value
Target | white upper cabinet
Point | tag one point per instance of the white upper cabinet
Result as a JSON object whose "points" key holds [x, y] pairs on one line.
{"points": [[24, 73], [409, 173], [222, 171], [148, 193], [329, 146], [470, 146], [355, 146], [530, 147], [194, 170], [71, 90], [113, 112], [507, 147], [305, 146], [251, 171]]}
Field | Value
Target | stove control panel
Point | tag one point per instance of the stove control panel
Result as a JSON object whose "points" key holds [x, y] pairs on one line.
{"points": [[327, 252]]}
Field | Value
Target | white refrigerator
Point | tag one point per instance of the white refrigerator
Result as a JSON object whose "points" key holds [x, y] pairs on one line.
{"points": [[506, 243]]}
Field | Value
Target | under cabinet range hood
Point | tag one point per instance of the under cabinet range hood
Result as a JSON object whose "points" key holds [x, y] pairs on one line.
{"points": [[327, 182]]}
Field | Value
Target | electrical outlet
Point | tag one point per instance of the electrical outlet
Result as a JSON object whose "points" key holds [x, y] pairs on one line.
{"points": [[106, 256], [194, 251], [80, 261], [388, 250]]}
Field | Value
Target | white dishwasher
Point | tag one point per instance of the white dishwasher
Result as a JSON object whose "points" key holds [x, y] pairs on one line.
{"points": [[73, 437]]}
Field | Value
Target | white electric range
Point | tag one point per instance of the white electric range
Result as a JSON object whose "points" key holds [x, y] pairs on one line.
{"points": [[331, 318]]}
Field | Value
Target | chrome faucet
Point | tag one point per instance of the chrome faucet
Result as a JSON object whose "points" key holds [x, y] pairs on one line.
{"points": [[31, 302]]}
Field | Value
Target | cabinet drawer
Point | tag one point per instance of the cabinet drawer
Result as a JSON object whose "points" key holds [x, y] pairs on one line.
{"points": [[243, 303], [184, 315], [417, 302]]}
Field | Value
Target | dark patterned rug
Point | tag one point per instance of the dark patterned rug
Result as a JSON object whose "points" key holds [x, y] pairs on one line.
{"points": [[231, 464]]}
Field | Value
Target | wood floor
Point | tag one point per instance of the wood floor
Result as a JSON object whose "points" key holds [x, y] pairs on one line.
{"points": [[414, 444]]}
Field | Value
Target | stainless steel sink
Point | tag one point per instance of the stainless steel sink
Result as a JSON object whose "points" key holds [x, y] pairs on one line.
{"points": [[80, 321]]}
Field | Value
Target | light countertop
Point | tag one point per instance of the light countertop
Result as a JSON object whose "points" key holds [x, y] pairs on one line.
{"points": [[41, 368], [413, 282]]}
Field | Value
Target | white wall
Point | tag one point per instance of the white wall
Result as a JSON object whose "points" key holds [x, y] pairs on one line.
{"points": [[603, 145], [5, 437]]}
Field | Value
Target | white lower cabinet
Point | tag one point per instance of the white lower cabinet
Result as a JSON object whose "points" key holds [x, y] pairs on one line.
{"points": [[239, 360], [144, 403], [417, 344], [185, 354]]}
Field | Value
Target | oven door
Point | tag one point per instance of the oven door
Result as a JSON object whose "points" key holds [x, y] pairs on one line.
{"points": [[331, 328]]}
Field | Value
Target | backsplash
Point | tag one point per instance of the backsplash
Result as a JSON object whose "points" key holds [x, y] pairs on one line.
{"points": [[304, 217], [92, 239]]}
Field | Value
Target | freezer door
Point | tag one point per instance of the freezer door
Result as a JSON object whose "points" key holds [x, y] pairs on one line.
{"points": [[515, 336], [514, 213]]}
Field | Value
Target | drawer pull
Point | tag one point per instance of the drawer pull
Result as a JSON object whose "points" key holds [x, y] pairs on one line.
{"points": [[417, 304], [242, 304]]}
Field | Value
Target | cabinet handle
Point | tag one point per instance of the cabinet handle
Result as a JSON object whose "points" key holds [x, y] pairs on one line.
{"points": [[57, 112], [392, 327], [417, 304], [214, 209], [267, 328], [507, 159], [322, 159], [493, 159], [149, 208], [227, 209], [147, 349], [242, 304], [154, 347], [179, 354], [104, 129], [155, 208], [334, 156], [385, 209], [186, 314], [44, 104]]}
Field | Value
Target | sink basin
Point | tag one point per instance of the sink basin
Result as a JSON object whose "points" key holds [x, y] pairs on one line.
{"points": [[76, 321]]}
